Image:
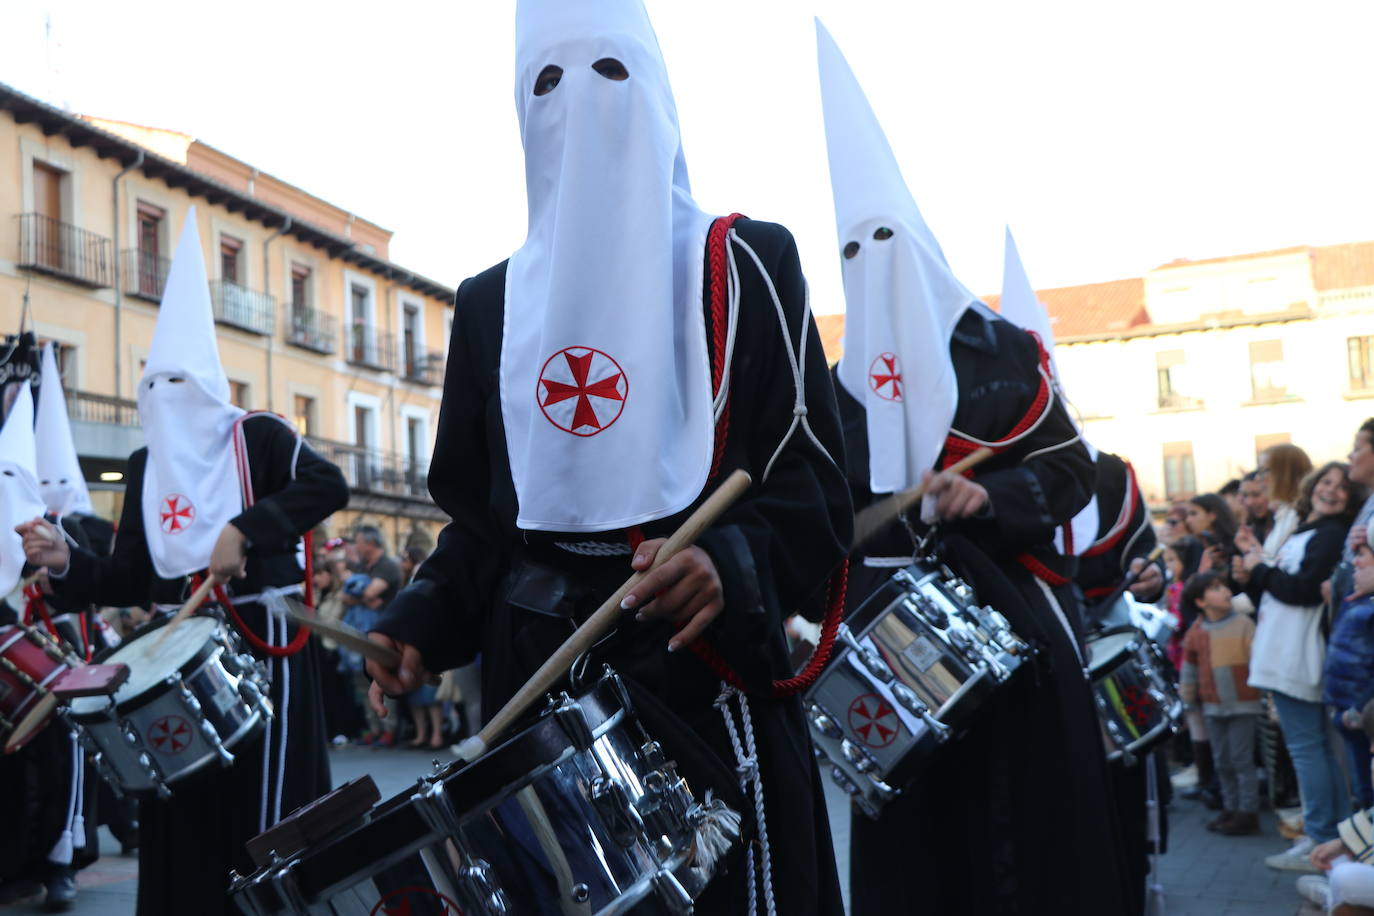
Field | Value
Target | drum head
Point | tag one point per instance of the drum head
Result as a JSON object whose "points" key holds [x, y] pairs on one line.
{"points": [[1107, 649], [152, 656]]}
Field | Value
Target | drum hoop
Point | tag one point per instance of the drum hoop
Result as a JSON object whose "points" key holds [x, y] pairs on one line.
{"points": [[32, 721], [18, 634], [201, 657]]}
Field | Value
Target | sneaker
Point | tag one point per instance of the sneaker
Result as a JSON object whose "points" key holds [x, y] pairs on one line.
{"points": [[61, 885], [1240, 823], [1296, 858], [1313, 889], [385, 739]]}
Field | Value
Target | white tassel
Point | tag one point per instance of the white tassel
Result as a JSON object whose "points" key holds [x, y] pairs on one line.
{"points": [[717, 828]]}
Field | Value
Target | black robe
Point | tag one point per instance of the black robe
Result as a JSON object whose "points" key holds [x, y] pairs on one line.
{"points": [[513, 596], [1016, 815], [190, 842]]}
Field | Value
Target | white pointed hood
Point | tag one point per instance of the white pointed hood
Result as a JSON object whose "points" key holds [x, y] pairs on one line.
{"points": [[902, 300], [60, 480], [1023, 308], [603, 356], [19, 497], [191, 485]]}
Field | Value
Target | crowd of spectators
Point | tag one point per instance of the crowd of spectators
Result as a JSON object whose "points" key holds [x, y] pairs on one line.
{"points": [[1271, 581]]}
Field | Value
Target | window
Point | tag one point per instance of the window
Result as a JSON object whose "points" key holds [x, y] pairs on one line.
{"points": [[366, 471], [238, 394], [1263, 442], [410, 340], [300, 288], [66, 361], [1267, 379], [360, 320], [1361, 355], [303, 412], [150, 274], [1180, 482], [1174, 381], [230, 249], [47, 204]]}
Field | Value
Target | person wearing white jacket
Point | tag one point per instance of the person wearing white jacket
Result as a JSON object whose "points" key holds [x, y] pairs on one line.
{"points": [[1290, 646]]}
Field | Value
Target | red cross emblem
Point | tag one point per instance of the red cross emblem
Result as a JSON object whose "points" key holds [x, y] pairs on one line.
{"points": [[177, 514], [886, 372], [415, 901], [170, 735], [1139, 706], [874, 720], [581, 390]]}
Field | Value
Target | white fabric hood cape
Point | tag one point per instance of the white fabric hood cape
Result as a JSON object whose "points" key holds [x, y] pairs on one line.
{"points": [[191, 487], [605, 381], [19, 497], [1023, 308], [902, 300], [60, 480]]}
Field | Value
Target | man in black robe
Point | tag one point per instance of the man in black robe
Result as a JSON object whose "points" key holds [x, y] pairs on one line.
{"points": [[190, 842]]}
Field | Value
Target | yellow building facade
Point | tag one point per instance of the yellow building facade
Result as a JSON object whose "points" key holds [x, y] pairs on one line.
{"points": [[313, 320]]}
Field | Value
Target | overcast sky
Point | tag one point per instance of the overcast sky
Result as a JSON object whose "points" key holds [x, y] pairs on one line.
{"points": [[1112, 137]]}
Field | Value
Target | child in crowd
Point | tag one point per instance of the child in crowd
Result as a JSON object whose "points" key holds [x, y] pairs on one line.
{"points": [[1216, 671], [1348, 888], [1348, 678], [1181, 560]]}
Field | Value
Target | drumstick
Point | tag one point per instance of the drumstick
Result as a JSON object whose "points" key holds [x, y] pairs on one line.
{"points": [[601, 622], [196, 600], [343, 634], [878, 516], [1131, 577]]}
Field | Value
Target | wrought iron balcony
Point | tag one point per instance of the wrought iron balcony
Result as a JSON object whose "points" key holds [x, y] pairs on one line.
{"points": [[370, 470], [423, 367], [242, 308], [50, 246], [311, 329], [365, 345], [144, 274]]}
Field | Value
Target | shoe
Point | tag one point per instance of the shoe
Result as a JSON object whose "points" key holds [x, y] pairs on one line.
{"points": [[1211, 800], [61, 885], [1241, 823], [385, 739], [1216, 823], [20, 890], [1295, 858], [1313, 889]]}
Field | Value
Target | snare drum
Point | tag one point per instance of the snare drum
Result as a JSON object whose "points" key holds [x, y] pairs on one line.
{"points": [[578, 813], [1136, 703], [30, 664], [190, 699], [1156, 625], [912, 665]]}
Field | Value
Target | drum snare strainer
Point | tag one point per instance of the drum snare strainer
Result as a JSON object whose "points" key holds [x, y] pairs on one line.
{"points": [[190, 699]]}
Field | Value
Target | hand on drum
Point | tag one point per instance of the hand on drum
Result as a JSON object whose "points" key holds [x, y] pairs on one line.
{"points": [[44, 544], [685, 590], [387, 682], [1150, 580], [955, 495]]}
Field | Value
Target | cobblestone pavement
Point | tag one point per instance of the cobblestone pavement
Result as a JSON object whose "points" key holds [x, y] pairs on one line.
{"points": [[1203, 874]]}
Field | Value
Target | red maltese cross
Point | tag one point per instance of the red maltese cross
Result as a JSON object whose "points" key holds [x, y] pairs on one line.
{"points": [[885, 377], [874, 720], [415, 901], [582, 390], [170, 735], [177, 514]]}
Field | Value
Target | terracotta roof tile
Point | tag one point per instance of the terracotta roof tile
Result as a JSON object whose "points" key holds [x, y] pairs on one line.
{"points": [[831, 328], [1347, 266], [1093, 308]]}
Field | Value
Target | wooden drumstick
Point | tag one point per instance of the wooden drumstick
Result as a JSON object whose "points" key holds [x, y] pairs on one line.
{"points": [[601, 622], [186, 610], [343, 634], [868, 522]]}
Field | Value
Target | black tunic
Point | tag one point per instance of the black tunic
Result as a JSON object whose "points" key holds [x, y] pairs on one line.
{"points": [[513, 596], [1102, 573], [1016, 815], [190, 842]]}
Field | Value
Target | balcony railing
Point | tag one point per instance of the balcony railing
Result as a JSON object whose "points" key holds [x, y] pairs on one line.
{"points": [[365, 345], [240, 307], [85, 407], [423, 367], [311, 329], [374, 471], [53, 247], [144, 274]]}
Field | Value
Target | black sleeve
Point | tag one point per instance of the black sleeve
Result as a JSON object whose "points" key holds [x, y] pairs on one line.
{"points": [[440, 611], [1051, 482], [775, 548], [1304, 587], [125, 577], [294, 491]]}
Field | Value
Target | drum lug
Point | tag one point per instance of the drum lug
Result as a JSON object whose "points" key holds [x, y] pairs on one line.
{"points": [[867, 657], [671, 893], [841, 779], [612, 802], [861, 759], [664, 809], [909, 701], [653, 755], [154, 775], [477, 874], [208, 731], [822, 722], [571, 718]]}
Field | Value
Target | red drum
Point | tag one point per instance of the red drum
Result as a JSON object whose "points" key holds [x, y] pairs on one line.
{"points": [[30, 665]]}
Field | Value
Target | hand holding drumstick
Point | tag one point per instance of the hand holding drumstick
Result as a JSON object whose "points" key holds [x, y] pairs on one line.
{"points": [[44, 544]]}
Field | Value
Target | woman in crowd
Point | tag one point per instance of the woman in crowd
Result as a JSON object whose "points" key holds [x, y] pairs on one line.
{"points": [[1283, 468], [1210, 520], [1290, 648]]}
